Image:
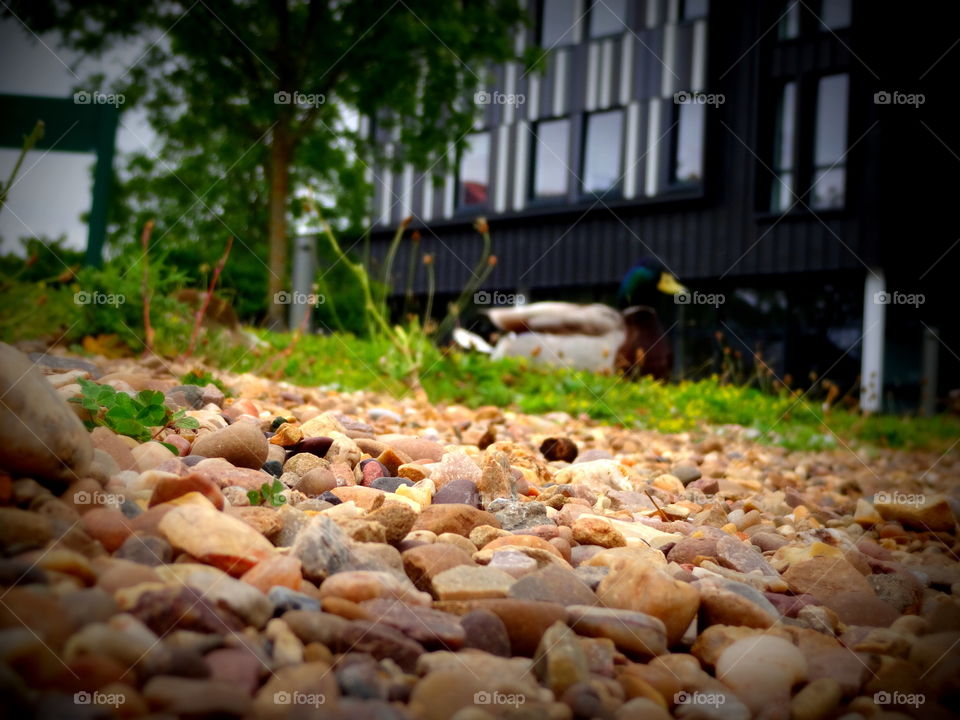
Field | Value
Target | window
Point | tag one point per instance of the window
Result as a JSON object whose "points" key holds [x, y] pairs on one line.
{"points": [[693, 9], [789, 26], [602, 152], [687, 166], [608, 17], [834, 14], [557, 23], [830, 142], [551, 163], [784, 148], [474, 176]]}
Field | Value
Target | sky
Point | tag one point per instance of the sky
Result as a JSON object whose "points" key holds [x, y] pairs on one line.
{"points": [[54, 188]]}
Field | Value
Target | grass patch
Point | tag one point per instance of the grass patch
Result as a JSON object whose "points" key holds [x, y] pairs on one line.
{"points": [[345, 362]]}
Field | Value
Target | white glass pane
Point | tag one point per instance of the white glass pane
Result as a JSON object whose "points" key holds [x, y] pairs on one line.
{"points": [[475, 170], [835, 14], [781, 195], [551, 171], [786, 123], [608, 17], [789, 27], [601, 165], [831, 129], [689, 159], [556, 24], [828, 189]]}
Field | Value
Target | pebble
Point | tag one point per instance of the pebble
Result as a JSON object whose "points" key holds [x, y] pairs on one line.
{"points": [[560, 661], [455, 518], [460, 491], [214, 537], [170, 488], [552, 584], [516, 516], [762, 670], [40, 434], [323, 549], [595, 531], [484, 630], [636, 633], [496, 479], [464, 582], [242, 444], [360, 585], [727, 602], [559, 448], [650, 590], [21, 530], [423, 563]]}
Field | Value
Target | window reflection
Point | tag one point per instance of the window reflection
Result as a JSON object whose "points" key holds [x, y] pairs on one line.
{"points": [[602, 154], [551, 164], [474, 176]]}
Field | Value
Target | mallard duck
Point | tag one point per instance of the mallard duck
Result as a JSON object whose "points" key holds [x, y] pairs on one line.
{"points": [[595, 337]]}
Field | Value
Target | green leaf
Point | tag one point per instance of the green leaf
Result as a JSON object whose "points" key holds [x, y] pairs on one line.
{"points": [[150, 397], [277, 500], [171, 448], [187, 423], [254, 497], [121, 413], [152, 415], [126, 426]]}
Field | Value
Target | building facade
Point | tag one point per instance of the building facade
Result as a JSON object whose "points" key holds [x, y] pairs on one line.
{"points": [[773, 154]]}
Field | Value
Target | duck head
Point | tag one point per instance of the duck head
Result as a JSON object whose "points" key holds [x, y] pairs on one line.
{"points": [[644, 280]]}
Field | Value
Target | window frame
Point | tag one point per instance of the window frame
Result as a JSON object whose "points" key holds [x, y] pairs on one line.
{"points": [[672, 182], [566, 40], [625, 26]]}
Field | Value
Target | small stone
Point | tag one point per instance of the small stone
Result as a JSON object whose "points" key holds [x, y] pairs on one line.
{"points": [[360, 585], [634, 632], [469, 583], [302, 463], [186, 696], [559, 448], [420, 623], [323, 549], [727, 602], [21, 530], [365, 498], [598, 475], [214, 537], [241, 444], [485, 631], [515, 515], [390, 484], [316, 481], [513, 562], [650, 590], [144, 549], [742, 557], [417, 448], [690, 550], [496, 480], [930, 513], [858, 608], [414, 472], [686, 474], [237, 666], [284, 599], [595, 531], [307, 690], [460, 491], [825, 578], [40, 434], [396, 519], [108, 525], [170, 488], [553, 584], [280, 570], [762, 670], [455, 518], [371, 470], [560, 661], [817, 700], [189, 397], [455, 466]]}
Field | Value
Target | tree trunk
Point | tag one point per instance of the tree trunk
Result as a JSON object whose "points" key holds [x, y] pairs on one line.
{"points": [[280, 157]]}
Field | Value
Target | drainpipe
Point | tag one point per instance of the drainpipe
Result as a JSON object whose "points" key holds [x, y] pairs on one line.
{"points": [[875, 301]]}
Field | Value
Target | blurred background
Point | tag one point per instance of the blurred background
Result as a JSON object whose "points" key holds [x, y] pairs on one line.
{"points": [[790, 162]]}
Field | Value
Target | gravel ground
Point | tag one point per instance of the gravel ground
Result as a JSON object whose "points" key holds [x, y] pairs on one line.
{"points": [[430, 561]]}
